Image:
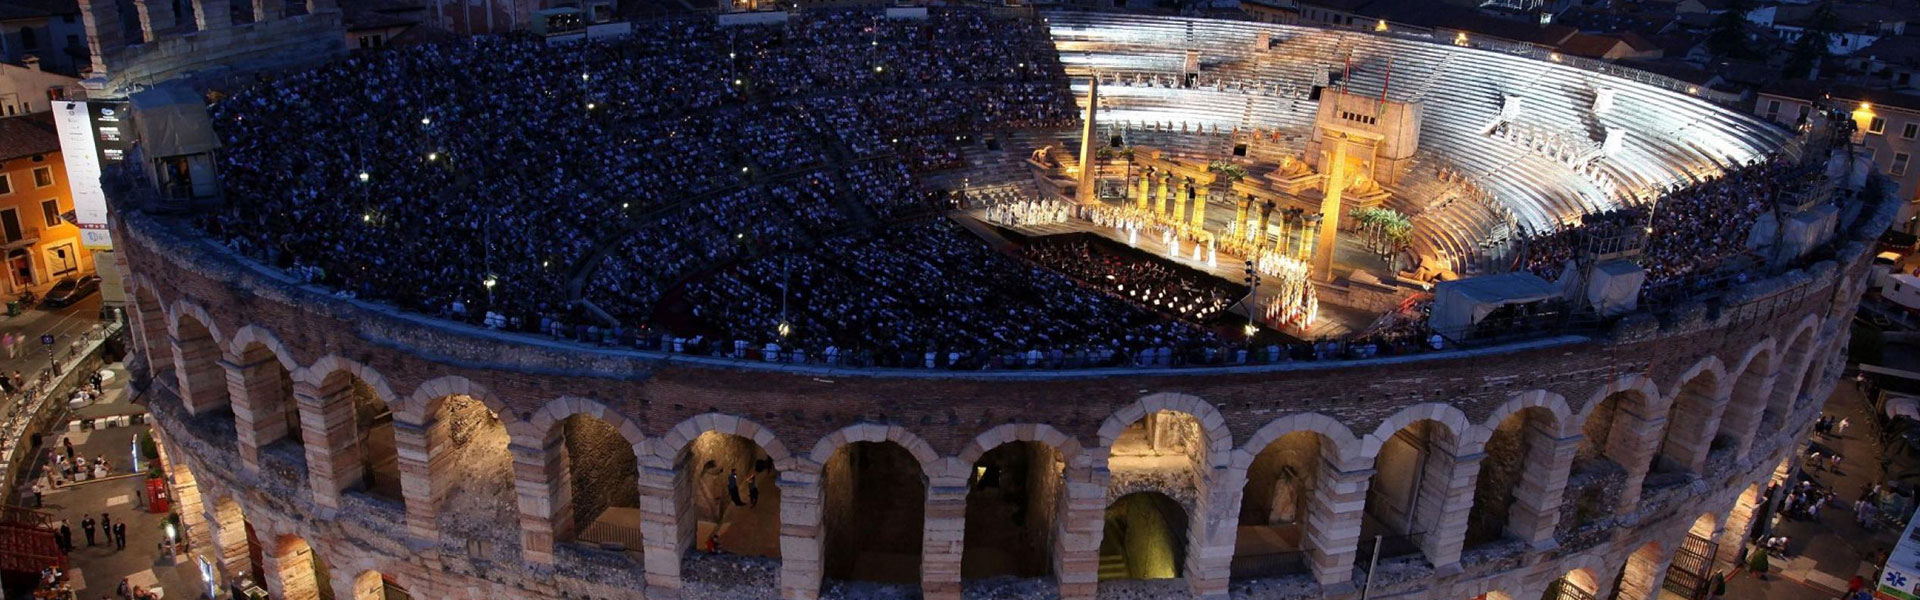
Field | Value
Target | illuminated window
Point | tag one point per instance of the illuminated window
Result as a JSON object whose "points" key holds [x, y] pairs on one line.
{"points": [[51, 208], [42, 176]]}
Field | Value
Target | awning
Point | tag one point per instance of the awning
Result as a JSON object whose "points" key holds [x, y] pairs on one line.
{"points": [[172, 121], [1461, 303]]}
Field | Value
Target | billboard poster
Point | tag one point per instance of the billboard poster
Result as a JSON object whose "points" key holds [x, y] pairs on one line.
{"points": [[80, 150]]}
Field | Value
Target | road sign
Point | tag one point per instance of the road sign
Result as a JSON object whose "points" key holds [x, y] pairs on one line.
{"points": [[47, 339]]}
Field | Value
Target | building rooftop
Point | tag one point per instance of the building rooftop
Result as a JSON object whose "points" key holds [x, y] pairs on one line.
{"points": [[1809, 90], [28, 135]]}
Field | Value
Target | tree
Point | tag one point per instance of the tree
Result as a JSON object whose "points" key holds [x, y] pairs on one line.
{"points": [[1812, 45], [1728, 37]]}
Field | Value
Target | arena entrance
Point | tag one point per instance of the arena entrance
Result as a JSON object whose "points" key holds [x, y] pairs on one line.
{"points": [[1145, 538], [876, 500], [1692, 563], [1013, 495]]}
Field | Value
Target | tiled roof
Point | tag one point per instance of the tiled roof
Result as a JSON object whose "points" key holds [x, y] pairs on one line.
{"points": [[28, 135]]}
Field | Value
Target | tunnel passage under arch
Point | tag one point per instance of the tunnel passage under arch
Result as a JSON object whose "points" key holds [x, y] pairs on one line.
{"points": [[470, 471], [1014, 494], [1405, 496], [1692, 424], [603, 479], [1145, 537], [731, 496], [1279, 494], [1609, 442], [1521, 445], [875, 497]]}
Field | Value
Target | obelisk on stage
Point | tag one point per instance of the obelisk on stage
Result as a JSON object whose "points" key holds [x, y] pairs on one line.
{"points": [[1083, 193]]}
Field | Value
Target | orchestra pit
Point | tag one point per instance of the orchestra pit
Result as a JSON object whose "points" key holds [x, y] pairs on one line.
{"points": [[954, 303]]}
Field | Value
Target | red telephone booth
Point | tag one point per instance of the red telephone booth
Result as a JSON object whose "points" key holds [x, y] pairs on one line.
{"points": [[157, 496]]}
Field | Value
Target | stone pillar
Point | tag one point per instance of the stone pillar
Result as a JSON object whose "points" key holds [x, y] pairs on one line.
{"points": [[1633, 442], [1160, 199], [1211, 533], [259, 410], [1535, 512], [415, 448], [1089, 161], [801, 563], [1330, 211], [290, 575], [943, 537], [102, 20], [156, 18], [1146, 189], [1199, 218], [1643, 576], [151, 324], [1742, 418], [1690, 430], [1735, 526], [201, 381], [330, 431], [1077, 531], [1240, 227], [661, 501], [1181, 197], [230, 532], [211, 15], [186, 492], [545, 496], [1332, 536], [268, 10], [1445, 499]]}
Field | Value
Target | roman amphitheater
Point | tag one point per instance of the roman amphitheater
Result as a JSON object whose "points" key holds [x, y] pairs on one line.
{"points": [[330, 443]]}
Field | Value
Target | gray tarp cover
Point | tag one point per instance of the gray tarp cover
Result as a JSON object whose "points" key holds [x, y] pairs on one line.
{"points": [[172, 121], [1460, 303], [1614, 288]]}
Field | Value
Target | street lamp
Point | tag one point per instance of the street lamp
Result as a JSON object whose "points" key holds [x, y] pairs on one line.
{"points": [[364, 176]]}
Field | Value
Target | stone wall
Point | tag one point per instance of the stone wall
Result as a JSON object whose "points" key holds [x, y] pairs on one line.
{"points": [[605, 474]]}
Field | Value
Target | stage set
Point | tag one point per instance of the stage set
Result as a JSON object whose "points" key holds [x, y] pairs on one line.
{"points": [[1331, 261]]}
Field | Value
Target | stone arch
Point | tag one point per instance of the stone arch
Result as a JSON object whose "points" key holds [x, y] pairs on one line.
{"points": [[1288, 470], [1016, 502], [235, 544], [197, 350], [453, 438], [1693, 420], [876, 478], [1643, 571], [1789, 367], [1517, 493], [1422, 486], [1620, 429], [1584, 581], [259, 380], [371, 584], [1740, 522], [298, 570], [1747, 396], [1213, 424], [363, 457], [725, 473], [549, 445]]}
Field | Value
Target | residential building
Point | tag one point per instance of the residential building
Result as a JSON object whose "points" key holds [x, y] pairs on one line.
{"points": [[28, 89], [1889, 125], [39, 245], [50, 31]]}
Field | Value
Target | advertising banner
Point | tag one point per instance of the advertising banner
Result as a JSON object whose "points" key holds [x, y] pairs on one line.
{"points": [[80, 149]]}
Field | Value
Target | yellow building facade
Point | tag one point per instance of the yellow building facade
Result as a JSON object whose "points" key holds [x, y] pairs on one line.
{"points": [[40, 245]]}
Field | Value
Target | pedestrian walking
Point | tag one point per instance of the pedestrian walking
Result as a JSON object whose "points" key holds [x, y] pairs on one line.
{"points": [[1833, 462], [733, 487], [86, 524], [120, 536], [106, 522], [66, 537], [753, 492], [1840, 429], [68, 442]]}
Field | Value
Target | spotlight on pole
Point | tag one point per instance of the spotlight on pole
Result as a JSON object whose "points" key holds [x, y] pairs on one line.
{"points": [[364, 176]]}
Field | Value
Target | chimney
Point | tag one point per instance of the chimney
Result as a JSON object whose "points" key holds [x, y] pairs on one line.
{"points": [[31, 61]]}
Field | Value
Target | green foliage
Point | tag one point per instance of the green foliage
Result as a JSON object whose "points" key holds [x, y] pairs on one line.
{"points": [[1384, 230], [1811, 48], [1232, 171]]}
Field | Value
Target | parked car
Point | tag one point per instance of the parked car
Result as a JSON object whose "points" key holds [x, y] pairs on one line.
{"points": [[71, 290]]}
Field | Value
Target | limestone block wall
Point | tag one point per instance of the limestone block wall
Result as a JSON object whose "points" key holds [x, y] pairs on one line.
{"points": [[1769, 351]]}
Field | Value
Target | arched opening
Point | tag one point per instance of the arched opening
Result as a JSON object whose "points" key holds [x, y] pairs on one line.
{"points": [[1687, 576], [471, 474], [301, 571], [1013, 495], [1598, 473], [368, 461], [730, 485], [239, 549], [603, 482], [1690, 428], [1810, 379], [1279, 494], [1742, 524], [1145, 537], [875, 497], [200, 380], [267, 415], [1405, 496], [1578, 584], [1639, 575], [373, 585], [1746, 402], [1522, 442], [1787, 381]]}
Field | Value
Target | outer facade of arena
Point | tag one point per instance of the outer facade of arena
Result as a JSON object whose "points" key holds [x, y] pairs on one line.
{"points": [[1595, 461]]}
